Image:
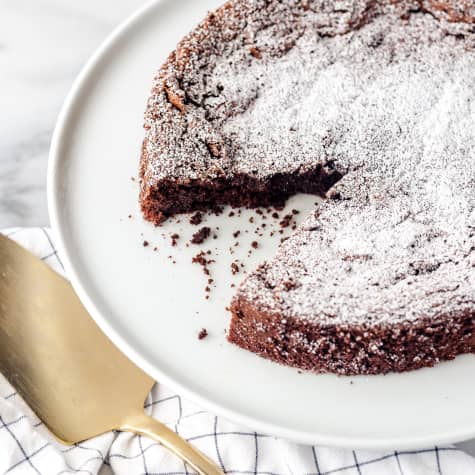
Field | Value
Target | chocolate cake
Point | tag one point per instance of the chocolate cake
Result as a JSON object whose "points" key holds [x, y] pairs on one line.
{"points": [[369, 104]]}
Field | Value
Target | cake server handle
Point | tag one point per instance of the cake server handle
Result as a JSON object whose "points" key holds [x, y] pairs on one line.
{"points": [[143, 424]]}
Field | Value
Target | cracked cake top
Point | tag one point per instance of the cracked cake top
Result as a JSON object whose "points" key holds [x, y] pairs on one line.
{"points": [[381, 92]]}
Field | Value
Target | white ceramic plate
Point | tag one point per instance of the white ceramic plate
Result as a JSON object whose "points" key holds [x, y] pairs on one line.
{"points": [[153, 309]]}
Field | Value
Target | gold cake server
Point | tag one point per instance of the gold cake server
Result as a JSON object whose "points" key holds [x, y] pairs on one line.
{"points": [[76, 381]]}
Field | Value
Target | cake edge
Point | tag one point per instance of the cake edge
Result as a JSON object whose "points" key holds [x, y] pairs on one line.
{"points": [[350, 349]]}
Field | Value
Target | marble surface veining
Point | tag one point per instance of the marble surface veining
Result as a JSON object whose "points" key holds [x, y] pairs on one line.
{"points": [[43, 45]]}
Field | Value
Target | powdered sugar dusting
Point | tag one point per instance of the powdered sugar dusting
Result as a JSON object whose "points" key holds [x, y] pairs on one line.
{"points": [[389, 105], [398, 121], [217, 72]]}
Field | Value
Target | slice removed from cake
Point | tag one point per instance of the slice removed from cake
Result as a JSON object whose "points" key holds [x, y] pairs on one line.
{"points": [[367, 103]]}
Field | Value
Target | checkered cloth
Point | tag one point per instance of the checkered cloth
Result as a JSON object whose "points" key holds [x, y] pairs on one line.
{"points": [[26, 447]]}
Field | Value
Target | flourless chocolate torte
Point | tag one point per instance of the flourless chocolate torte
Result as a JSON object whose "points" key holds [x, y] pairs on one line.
{"points": [[369, 104]]}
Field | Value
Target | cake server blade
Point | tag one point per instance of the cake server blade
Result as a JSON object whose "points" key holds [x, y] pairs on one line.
{"points": [[70, 374]]}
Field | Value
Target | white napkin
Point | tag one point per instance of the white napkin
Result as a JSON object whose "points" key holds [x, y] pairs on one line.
{"points": [[26, 447]]}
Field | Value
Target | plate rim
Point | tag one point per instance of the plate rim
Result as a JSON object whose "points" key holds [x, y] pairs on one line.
{"points": [[134, 354]]}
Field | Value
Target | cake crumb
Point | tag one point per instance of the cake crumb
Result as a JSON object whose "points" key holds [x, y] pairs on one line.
{"points": [[200, 236], [231, 214], [234, 268], [196, 218], [175, 238], [286, 220], [202, 334], [201, 260], [145, 244], [255, 244], [236, 233]]}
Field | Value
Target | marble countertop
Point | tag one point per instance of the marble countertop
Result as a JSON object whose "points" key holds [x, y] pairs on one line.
{"points": [[43, 45]]}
